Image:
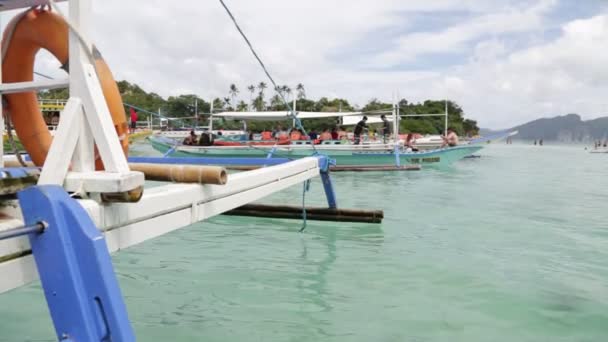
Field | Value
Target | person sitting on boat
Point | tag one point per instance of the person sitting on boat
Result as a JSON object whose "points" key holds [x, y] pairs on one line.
{"points": [[206, 139], [191, 139], [266, 135], [281, 134], [334, 134], [325, 135], [303, 136], [313, 135], [295, 134], [451, 139], [410, 142], [361, 125], [342, 135], [386, 128]]}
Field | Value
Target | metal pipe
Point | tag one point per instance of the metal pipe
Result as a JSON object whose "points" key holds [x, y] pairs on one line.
{"points": [[20, 231]]}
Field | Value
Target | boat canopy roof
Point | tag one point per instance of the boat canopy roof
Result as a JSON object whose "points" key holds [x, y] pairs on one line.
{"points": [[349, 118]]}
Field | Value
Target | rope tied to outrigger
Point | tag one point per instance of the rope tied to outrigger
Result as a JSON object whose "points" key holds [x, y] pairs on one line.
{"points": [[298, 123]]}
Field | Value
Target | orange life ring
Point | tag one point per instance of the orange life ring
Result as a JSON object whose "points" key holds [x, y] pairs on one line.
{"points": [[43, 29]]}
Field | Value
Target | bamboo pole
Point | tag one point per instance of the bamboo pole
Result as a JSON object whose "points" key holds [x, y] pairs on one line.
{"points": [[182, 173], [309, 216], [170, 173], [312, 213]]}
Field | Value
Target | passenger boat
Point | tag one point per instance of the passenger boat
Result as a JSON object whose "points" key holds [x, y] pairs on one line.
{"points": [[344, 154], [370, 152]]}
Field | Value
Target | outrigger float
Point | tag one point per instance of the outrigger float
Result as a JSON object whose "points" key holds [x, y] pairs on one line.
{"points": [[61, 217]]}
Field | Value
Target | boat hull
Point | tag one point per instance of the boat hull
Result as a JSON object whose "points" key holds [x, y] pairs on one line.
{"points": [[344, 155]]}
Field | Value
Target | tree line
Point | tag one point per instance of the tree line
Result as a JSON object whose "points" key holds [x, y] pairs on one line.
{"points": [[262, 99]]}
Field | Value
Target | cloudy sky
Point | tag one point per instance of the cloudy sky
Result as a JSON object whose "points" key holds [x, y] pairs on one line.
{"points": [[504, 61]]}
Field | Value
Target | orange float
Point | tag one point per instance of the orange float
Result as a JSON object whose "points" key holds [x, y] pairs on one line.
{"points": [[42, 29]]}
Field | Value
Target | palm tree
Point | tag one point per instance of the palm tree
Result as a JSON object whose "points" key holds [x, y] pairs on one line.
{"points": [[233, 92], [287, 91], [301, 91], [259, 103], [262, 86], [251, 89], [276, 103], [227, 102], [241, 106]]}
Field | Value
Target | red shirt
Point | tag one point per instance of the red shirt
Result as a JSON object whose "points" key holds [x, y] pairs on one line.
{"points": [[133, 115]]}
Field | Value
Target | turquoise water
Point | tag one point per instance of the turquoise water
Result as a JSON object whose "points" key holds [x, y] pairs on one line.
{"points": [[512, 246]]}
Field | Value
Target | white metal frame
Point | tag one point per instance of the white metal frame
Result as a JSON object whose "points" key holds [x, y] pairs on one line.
{"points": [[161, 210]]}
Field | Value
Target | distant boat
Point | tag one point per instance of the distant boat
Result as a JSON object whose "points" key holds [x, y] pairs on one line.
{"points": [[599, 150]]}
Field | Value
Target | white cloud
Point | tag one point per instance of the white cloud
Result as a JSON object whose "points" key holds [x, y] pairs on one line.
{"points": [[564, 76], [192, 47], [455, 38]]}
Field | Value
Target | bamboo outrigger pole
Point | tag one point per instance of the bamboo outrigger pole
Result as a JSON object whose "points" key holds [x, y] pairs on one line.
{"points": [[169, 173], [312, 213]]}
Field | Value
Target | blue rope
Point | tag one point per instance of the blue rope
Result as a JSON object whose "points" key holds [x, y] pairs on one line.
{"points": [[304, 191]]}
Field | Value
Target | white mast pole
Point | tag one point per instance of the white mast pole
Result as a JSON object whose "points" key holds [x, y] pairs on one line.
{"points": [[446, 118], [293, 123], [195, 112], [395, 122], [211, 117]]}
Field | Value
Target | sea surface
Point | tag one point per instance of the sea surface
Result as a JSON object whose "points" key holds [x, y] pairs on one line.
{"points": [[512, 246]]}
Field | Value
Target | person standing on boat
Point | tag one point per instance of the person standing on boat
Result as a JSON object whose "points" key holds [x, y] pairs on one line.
{"points": [[386, 128], [361, 125], [133, 119], [451, 139]]}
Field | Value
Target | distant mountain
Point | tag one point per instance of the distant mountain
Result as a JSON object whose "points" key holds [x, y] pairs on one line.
{"points": [[567, 128]]}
